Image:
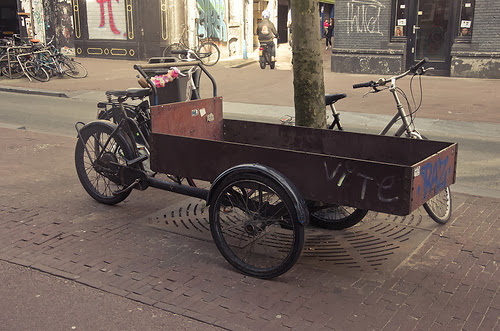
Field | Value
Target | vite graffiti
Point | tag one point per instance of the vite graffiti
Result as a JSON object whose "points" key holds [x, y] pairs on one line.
{"points": [[434, 176], [110, 15], [342, 174], [211, 21], [363, 16]]}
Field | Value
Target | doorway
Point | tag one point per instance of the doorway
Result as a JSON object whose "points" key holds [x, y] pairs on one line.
{"points": [[429, 34], [9, 24]]}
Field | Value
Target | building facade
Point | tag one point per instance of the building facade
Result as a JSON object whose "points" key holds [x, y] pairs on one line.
{"points": [[461, 38], [140, 29]]}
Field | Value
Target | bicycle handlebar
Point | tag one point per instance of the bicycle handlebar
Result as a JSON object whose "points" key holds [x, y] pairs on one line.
{"points": [[419, 65], [382, 81], [367, 84]]}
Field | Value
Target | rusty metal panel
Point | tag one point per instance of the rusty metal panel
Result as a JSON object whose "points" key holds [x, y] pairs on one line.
{"points": [[198, 118], [364, 171], [363, 184], [433, 175], [387, 149]]}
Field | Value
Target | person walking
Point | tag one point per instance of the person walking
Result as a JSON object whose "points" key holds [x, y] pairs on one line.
{"points": [[326, 24]]}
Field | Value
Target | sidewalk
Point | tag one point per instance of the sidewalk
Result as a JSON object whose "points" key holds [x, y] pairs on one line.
{"points": [[445, 98], [404, 273], [388, 273]]}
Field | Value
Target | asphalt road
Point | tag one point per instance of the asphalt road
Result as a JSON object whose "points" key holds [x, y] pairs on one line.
{"points": [[478, 170]]}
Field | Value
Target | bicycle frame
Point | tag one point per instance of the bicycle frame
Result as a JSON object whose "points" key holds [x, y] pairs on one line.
{"points": [[406, 126]]}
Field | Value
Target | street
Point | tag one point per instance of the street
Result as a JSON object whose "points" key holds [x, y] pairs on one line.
{"points": [[249, 93], [157, 268]]}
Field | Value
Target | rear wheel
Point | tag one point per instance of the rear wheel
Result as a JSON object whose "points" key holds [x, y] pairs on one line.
{"points": [[334, 217], [255, 225], [209, 53], [262, 62], [96, 164]]}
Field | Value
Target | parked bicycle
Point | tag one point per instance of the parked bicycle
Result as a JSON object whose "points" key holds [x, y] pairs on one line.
{"points": [[341, 217], [205, 49], [38, 61]]}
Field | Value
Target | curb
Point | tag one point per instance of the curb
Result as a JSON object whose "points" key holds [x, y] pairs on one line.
{"points": [[33, 91]]}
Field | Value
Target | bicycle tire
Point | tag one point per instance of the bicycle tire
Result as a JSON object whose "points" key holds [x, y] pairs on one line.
{"points": [[255, 225], [100, 181], [167, 52], [334, 217], [74, 69], [37, 72], [16, 71], [262, 62], [209, 53]]}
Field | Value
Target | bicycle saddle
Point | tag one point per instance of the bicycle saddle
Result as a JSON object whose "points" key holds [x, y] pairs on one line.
{"points": [[130, 93], [332, 98]]}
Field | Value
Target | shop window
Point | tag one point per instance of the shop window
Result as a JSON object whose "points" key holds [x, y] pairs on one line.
{"points": [[400, 13], [466, 19]]}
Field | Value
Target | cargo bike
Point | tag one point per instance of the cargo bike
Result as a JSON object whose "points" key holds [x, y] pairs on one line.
{"points": [[263, 178]]}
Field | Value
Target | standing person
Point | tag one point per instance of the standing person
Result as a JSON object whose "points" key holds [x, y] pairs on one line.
{"points": [[266, 33], [326, 24], [329, 34]]}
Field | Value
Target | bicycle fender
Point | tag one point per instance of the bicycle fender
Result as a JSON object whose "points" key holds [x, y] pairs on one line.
{"points": [[110, 125], [284, 182]]}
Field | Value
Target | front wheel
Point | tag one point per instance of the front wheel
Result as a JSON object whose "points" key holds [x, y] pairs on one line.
{"points": [[209, 53], [255, 225], [334, 217], [37, 72], [74, 69], [439, 207], [97, 155]]}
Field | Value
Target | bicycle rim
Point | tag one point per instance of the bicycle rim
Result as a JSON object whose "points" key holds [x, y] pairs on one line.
{"points": [[255, 226], [95, 166]]}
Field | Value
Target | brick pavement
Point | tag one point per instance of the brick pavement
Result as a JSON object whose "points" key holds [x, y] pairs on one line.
{"points": [[48, 223]]}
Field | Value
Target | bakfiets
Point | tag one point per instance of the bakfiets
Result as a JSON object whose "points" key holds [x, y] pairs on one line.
{"points": [[260, 177]]}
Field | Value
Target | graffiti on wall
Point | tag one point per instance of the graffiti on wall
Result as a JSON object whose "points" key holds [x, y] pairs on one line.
{"points": [[363, 16], [64, 28], [211, 20], [35, 25], [106, 19]]}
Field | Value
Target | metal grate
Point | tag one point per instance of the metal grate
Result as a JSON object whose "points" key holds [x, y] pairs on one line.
{"points": [[379, 243]]}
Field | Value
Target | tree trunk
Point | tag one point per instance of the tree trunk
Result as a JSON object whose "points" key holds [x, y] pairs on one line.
{"points": [[308, 80]]}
